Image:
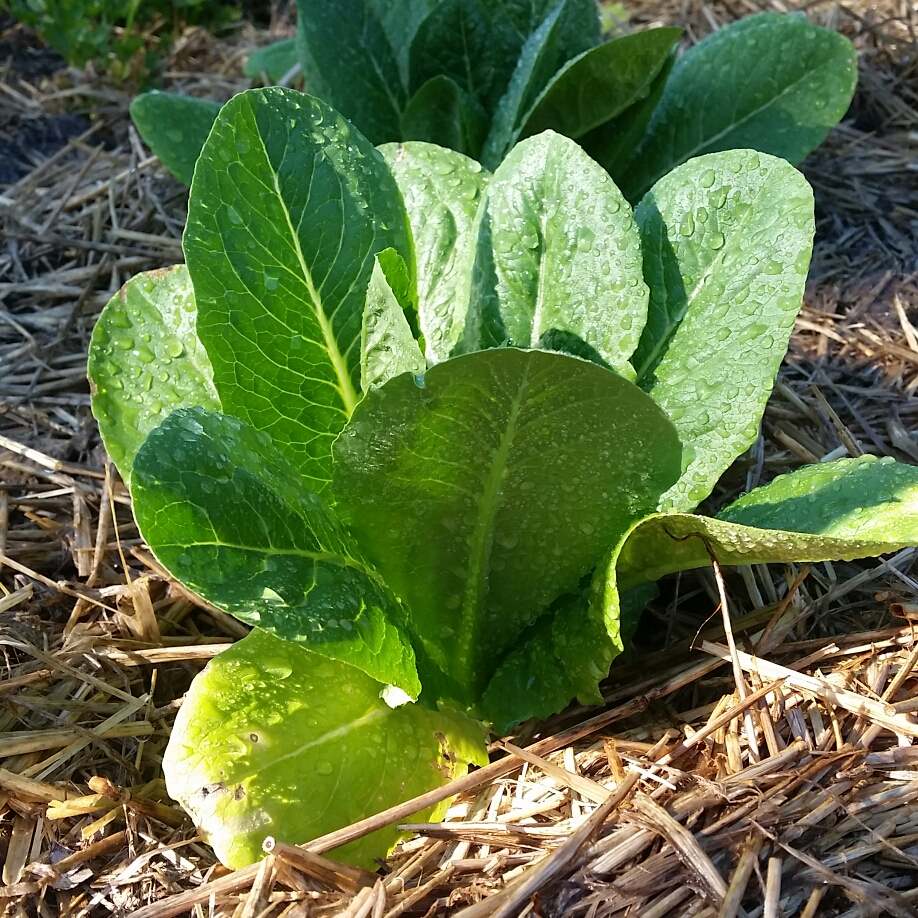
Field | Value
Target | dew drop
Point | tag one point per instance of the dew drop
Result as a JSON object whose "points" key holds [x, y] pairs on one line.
{"points": [[174, 348]]}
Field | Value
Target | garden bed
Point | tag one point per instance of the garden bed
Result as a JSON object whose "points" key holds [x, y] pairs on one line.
{"points": [[686, 795]]}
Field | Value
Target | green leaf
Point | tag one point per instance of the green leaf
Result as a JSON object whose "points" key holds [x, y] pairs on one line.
{"points": [[632, 603], [457, 41], [558, 256], [771, 82], [289, 207], [537, 63], [145, 360], [388, 347], [400, 21], [274, 61], [601, 83], [227, 515], [565, 654], [852, 508], [727, 240], [516, 20], [274, 740], [174, 127], [349, 62], [612, 143], [443, 113], [530, 682], [480, 500], [442, 191]]}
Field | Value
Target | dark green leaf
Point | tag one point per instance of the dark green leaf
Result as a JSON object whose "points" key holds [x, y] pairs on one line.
{"points": [[349, 62], [558, 256], [537, 63], [611, 144], [457, 41], [174, 127], [727, 240], [145, 361], [227, 515], [516, 20], [274, 61], [487, 489], [388, 347], [443, 113], [530, 682], [771, 82], [274, 740], [632, 603], [400, 21], [601, 83], [289, 207], [852, 508], [442, 191], [565, 654]]}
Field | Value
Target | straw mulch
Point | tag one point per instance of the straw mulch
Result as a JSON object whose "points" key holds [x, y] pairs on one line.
{"points": [[759, 764]]}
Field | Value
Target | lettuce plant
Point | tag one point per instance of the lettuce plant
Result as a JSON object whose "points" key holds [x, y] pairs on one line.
{"points": [[479, 76], [431, 431]]}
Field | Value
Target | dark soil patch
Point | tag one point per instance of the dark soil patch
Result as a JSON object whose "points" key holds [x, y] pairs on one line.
{"points": [[23, 55], [25, 141]]}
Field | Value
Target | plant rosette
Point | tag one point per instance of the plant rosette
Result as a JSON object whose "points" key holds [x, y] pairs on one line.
{"points": [[479, 77], [432, 432]]}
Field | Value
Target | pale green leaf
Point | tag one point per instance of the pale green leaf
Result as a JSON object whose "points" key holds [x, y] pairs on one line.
{"points": [[727, 240], [558, 257], [388, 347], [275, 740], [288, 210], [227, 515], [486, 489], [145, 360], [442, 191], [852, 508]]}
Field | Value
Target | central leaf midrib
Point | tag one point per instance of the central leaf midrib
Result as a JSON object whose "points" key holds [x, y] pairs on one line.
{"points": [[336, 358], [535, 332], [483, 535], [332, 735]]}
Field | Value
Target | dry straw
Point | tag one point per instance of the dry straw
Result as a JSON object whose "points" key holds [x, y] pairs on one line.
{"points": [[768, 768]]}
